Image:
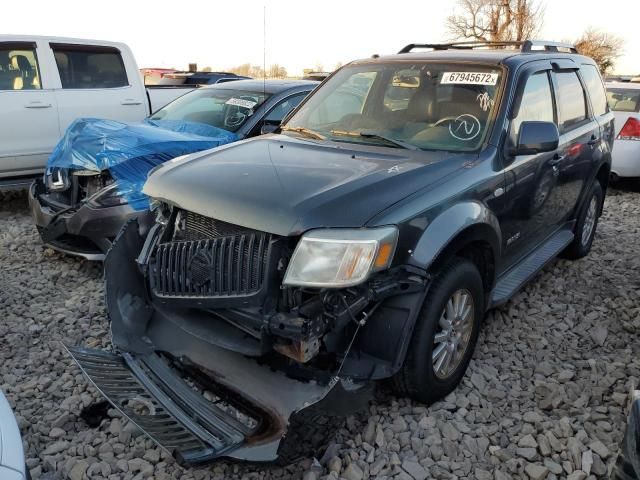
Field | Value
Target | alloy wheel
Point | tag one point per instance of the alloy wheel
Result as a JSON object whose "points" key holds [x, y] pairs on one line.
{"points": [[589, 221], [452, 339]]}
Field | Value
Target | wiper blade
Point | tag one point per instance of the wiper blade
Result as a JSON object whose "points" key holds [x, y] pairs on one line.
{"points": [[377, 136], [304, 131]]}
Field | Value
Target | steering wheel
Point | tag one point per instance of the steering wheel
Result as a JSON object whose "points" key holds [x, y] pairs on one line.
{"points": [[237, 114], [443, 120], [235, 119]]}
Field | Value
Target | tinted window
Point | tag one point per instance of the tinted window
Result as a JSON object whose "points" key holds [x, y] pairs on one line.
{"points": [[572, 107], [623, 100], [86, 67], [595, 87], [18, 69], [284, 107], [536, 104]]}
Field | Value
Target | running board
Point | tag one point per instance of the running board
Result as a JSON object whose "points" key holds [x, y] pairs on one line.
{"points": [[19, 183], [510, 283]]}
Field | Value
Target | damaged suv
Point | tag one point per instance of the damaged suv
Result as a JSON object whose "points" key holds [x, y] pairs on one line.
{"points": [[364, 241]]}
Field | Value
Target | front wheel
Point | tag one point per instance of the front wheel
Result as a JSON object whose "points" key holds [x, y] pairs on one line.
{"points": [[445, 334], [586, 224]]}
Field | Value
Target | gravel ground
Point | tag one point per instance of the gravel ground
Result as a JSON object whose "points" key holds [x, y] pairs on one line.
{"points": [[544, 397]]}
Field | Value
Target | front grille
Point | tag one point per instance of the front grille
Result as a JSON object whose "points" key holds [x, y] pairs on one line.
{"points": [[214, 266], [192, 226]]}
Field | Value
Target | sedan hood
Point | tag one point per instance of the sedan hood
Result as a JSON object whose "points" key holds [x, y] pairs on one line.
{"points": [[286, 185]]}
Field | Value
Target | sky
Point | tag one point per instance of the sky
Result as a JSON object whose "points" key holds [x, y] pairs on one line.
{"points": [[299, 34]]}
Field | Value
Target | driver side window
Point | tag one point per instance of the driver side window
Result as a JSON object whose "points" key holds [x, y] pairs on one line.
{"points": [[536, 104]]}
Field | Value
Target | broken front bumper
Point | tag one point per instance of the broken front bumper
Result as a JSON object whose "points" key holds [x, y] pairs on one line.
{"points": [[83, 231], [273, 418]]}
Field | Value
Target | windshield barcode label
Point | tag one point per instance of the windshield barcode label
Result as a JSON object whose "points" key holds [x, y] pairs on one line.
{"points": [[241, 102], [469, 78]]}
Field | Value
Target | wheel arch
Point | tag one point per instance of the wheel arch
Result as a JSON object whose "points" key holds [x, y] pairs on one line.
{"points": [[469, 230]]}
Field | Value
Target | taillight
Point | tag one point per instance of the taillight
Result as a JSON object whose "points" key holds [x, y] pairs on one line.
{"points": [[630, 130]]}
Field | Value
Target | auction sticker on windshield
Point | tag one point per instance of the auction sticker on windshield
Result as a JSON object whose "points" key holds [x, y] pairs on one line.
{"points": [[469, 78], [241, 102]]}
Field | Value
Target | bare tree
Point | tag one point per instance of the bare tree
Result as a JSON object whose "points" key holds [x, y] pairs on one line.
{"points": [[496, 20], [277, 71], [242, 70], [603, 47]]}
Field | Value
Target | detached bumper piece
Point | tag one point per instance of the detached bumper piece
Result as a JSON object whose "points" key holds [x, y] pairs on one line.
{"points": [[628, 463], [171, 412]]}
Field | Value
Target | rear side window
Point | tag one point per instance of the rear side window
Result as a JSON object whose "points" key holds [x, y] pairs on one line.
{"points": [[624, 100], [572, 107], [18, 67], [595, 87], [536, 104], [90, 67]]}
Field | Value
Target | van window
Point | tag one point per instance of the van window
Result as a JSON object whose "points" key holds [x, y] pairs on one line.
{"points": [[595, 87], [18, 68], [90, 67], [571, 101], [536, 104]]}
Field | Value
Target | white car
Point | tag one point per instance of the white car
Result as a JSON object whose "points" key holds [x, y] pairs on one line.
{"points": [[12, 465], [624, 100], [48, 82]]}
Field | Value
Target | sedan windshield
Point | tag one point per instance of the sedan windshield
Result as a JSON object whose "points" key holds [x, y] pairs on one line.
{"points": [[433, 106], [223, 108]]}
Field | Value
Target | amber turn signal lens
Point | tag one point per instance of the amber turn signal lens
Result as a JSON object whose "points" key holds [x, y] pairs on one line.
{"points": [[384, 255]]}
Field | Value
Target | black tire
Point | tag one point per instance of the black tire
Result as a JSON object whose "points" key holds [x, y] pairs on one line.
{"points": [[582, 242], [417, 378]]}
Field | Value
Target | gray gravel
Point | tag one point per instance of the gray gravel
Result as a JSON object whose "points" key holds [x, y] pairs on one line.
{"points": [[544, 397]]}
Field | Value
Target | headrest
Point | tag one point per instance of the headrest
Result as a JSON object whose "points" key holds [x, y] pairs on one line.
{"points": [[20, 62]]}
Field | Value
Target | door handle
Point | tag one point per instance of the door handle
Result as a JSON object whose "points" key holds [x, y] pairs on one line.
{"points": [[556, 159], [594, 140], [37, 105], [130, 101]]}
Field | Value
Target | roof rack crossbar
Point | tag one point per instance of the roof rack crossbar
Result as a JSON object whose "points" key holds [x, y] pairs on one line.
{"points": [[525, 46]]}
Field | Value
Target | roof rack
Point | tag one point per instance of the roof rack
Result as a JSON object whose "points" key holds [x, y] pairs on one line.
{"points": [[525, 46]]}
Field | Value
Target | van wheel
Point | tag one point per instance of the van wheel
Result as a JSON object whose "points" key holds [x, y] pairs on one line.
{"points": [[445, 334], [586, 225]]}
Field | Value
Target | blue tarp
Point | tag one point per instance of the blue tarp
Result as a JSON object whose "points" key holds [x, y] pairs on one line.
{"points": [[130, 151]]}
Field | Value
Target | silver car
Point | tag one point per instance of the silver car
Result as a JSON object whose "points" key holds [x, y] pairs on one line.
{"points": [[624, 100], [11, 453]]}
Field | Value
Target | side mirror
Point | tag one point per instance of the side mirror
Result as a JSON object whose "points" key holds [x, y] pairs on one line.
{"points": [[536, 137], [269, 127]]}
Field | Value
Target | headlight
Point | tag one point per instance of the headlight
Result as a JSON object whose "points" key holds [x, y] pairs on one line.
{"points": [[57, 179], [108, 197], [337, 258]]}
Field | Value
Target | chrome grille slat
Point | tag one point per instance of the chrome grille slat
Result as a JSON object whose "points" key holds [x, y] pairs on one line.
{"points": [[219, 267]]}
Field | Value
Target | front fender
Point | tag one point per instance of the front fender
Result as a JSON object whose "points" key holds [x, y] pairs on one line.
{"points": [[458, 225]]}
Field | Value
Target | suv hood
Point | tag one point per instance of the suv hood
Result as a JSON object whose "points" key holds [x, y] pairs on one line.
{"points": [[286, 185]]}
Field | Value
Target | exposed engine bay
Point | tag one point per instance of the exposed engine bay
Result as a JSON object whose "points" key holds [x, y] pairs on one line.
{"points": [[198, 305]]}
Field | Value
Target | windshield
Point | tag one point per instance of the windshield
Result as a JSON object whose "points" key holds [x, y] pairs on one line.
{"points": [[428, 105], [221, 108]]}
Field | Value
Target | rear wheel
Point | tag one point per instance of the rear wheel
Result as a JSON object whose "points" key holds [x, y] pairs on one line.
{"points": [[445, 334], [586, 225]]}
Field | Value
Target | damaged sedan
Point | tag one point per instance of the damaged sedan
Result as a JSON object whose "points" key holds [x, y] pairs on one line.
{"points": [[94, 177], [364, 241]]}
